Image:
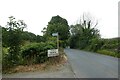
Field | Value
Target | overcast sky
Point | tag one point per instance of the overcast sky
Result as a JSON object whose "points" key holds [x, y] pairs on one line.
{"points": [[37, 13]]}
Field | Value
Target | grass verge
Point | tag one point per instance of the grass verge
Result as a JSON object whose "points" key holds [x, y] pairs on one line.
{"points": [[107, 52]]}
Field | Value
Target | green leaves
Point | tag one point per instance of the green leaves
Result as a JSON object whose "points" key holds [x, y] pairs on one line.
{"points": [[36, 52], [12, 39], [14, 25], [82, 34], [60, 25]]}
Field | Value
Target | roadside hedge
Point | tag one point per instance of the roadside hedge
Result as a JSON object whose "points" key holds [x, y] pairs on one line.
{"points": [[32, 53], [35, 52]]}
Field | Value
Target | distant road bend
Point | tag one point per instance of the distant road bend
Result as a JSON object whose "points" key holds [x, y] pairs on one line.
{"points": [[90, 65]]}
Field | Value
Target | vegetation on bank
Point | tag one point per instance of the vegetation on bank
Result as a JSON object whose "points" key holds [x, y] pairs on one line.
{"points": [[86, 36], [107, 52], [25, 48], [49, 63], [110, 47]]}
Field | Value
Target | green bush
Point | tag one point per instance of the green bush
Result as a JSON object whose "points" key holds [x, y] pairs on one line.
{"points": [[95, 45], [50, 45], [35, 52], [32, 53], [6, 61], [106, 52], [109, 46]]}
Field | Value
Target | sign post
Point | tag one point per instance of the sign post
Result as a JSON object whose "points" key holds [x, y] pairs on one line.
{"points": [[56, 34], [54, 52], [58, 42]]}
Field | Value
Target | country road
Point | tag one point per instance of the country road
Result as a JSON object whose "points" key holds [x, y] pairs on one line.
{"points": [[91, 65]]}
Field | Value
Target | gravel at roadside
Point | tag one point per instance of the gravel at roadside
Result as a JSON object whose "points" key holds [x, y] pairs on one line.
{"points": [[60, 71]]}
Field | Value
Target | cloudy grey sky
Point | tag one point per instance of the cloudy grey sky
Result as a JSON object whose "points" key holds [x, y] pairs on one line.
{"points": [[37, 13]]}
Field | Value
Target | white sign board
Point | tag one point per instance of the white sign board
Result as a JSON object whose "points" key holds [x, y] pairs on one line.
{"points": [[55, 34], [53, 52]]}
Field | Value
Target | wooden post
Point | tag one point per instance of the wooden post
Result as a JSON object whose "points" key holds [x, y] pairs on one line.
{"points": [[58, 42]]}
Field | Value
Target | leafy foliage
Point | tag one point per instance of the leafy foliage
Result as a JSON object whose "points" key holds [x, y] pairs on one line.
{"points": [[82, 35], [28, 36], [96, 44], [60, 25], [12, 36], [111, 43], [35, 52]]}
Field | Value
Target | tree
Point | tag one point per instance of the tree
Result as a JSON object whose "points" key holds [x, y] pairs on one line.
{"points": [[83, 33], [44, 30], [76, 32], [39, 38], [4, 37], [60, 25], [13, 40], [28, 36]]}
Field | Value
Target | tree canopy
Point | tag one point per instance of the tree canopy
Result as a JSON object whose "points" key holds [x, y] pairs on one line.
{"points": [[60, 25], [82, 34], [12, 37]]}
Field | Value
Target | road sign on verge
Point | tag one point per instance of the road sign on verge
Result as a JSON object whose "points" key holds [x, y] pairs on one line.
{"points": [[53, 52]]}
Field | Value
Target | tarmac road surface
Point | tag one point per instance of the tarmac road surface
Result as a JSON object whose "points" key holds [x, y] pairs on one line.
{"points": [[92, 65]]}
